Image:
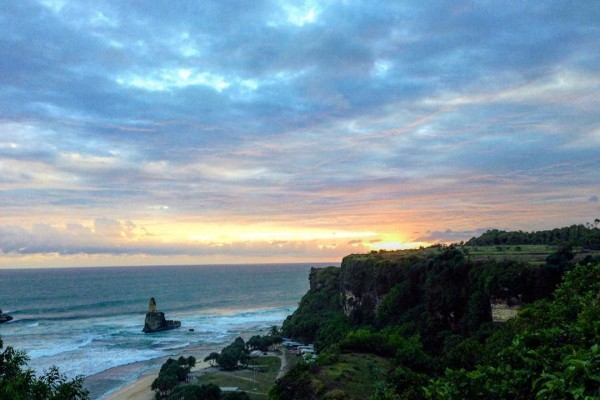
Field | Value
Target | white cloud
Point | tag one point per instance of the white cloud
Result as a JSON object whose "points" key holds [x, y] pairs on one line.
{"points": [[296, 14], [167, 79], [333, 114], [381, 68]]}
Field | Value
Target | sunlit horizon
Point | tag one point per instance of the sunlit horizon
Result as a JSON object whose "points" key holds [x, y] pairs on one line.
{"points": [[167, 133]]}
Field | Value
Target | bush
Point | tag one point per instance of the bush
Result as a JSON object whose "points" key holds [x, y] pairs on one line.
{"points": [[335, 394], [235, 396], [232, 355], [549, 351], [17, 382]]}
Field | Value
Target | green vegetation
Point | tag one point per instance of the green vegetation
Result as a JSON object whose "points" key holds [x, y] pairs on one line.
{"points": [[172, 382], [171, 373], [254, 381], [233, 355], [549, 351], [17, 382], [237, 368], [350, 377], [319, 317], [429, 315], [411, 325], [237, 353], [587, 236], [263, 343]]}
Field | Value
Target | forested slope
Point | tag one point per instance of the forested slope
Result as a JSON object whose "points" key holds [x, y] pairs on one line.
{"points": [[429, 314]]}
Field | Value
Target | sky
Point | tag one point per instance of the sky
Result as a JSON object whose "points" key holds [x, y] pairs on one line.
{"points": [[202, 132]]}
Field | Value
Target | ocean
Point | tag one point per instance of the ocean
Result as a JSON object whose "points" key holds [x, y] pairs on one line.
{"points": [[88, 321]]}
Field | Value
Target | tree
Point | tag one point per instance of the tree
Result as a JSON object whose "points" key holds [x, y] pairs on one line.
{"points": [[235, 396], [164, 383], [191, 361], [194, 392], [227, 361], [552, 350], [171, 373], [187, 392], [233, 355], [17, 382], [274, 331], [212, 358], [210, 391]]}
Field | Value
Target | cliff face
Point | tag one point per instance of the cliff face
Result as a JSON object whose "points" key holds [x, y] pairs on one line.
{"points": [[317, 306], [366, 278], [438, 289]]}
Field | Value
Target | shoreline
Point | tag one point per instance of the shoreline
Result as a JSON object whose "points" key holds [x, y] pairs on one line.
{"points": [[137, 390], [140, 388], [136, 378]]}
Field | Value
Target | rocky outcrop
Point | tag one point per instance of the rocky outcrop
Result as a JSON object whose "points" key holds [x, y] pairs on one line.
{"points": [[4, 317], [156, 321]]}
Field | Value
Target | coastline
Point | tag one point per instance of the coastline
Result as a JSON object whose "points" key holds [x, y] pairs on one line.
{"points": [[140, 388], [136, 378], [133, 381]]}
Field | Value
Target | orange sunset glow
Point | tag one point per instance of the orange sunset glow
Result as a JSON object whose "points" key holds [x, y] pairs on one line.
{"points": [[289, 133]]}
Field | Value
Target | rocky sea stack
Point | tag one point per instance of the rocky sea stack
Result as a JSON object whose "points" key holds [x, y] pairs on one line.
{"points": [[4, 317], [155, 320]]}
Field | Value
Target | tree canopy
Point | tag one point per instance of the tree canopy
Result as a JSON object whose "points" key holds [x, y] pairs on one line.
{"points": [[18, 382], [430, 314]]}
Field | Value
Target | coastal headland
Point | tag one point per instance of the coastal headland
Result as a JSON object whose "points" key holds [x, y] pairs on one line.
{"points": [[409, 315], [487, 316]]}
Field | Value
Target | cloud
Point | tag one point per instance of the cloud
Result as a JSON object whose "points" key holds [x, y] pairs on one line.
{"points": [[593, 199], [363, 115], [107, 237], [451, 236]]}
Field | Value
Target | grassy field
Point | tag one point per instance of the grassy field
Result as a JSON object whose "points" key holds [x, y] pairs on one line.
{"points": [[256, 380], [532, 254], [352, 377], [528, 253]]}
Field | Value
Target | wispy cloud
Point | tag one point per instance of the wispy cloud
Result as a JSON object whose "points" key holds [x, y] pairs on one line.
{"points": [[410, 121]]}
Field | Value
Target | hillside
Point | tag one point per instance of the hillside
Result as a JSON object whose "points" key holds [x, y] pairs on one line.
{"points": [[432, 314]]}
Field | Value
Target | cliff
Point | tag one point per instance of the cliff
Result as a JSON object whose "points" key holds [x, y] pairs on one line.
{"points": [[430, 345], [437, 289], [445, 319], [321, 304], [155, 320]]}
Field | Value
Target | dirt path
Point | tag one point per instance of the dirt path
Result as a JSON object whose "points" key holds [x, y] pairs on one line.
{"points": [[284, 364]]}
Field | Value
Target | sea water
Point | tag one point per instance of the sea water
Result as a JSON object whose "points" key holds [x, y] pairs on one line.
{"points": [[88, 321]]}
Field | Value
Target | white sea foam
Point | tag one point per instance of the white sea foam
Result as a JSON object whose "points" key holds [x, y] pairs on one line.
{"points": [[101, 345], [88, 335]]}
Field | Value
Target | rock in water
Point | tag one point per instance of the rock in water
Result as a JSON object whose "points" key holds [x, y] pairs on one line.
{"points": [[155, 320], [4, 317]]}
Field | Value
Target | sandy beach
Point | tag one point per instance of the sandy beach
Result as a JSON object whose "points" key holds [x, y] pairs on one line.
{"points": [[140, 389]]}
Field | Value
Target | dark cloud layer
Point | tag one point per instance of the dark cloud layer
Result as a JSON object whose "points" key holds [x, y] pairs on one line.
{"points": [[317, 113]]}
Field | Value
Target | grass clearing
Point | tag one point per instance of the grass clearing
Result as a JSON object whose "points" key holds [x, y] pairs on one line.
{"points": [[352, 377], [532, 254], [256, 379], [529, 254]]}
